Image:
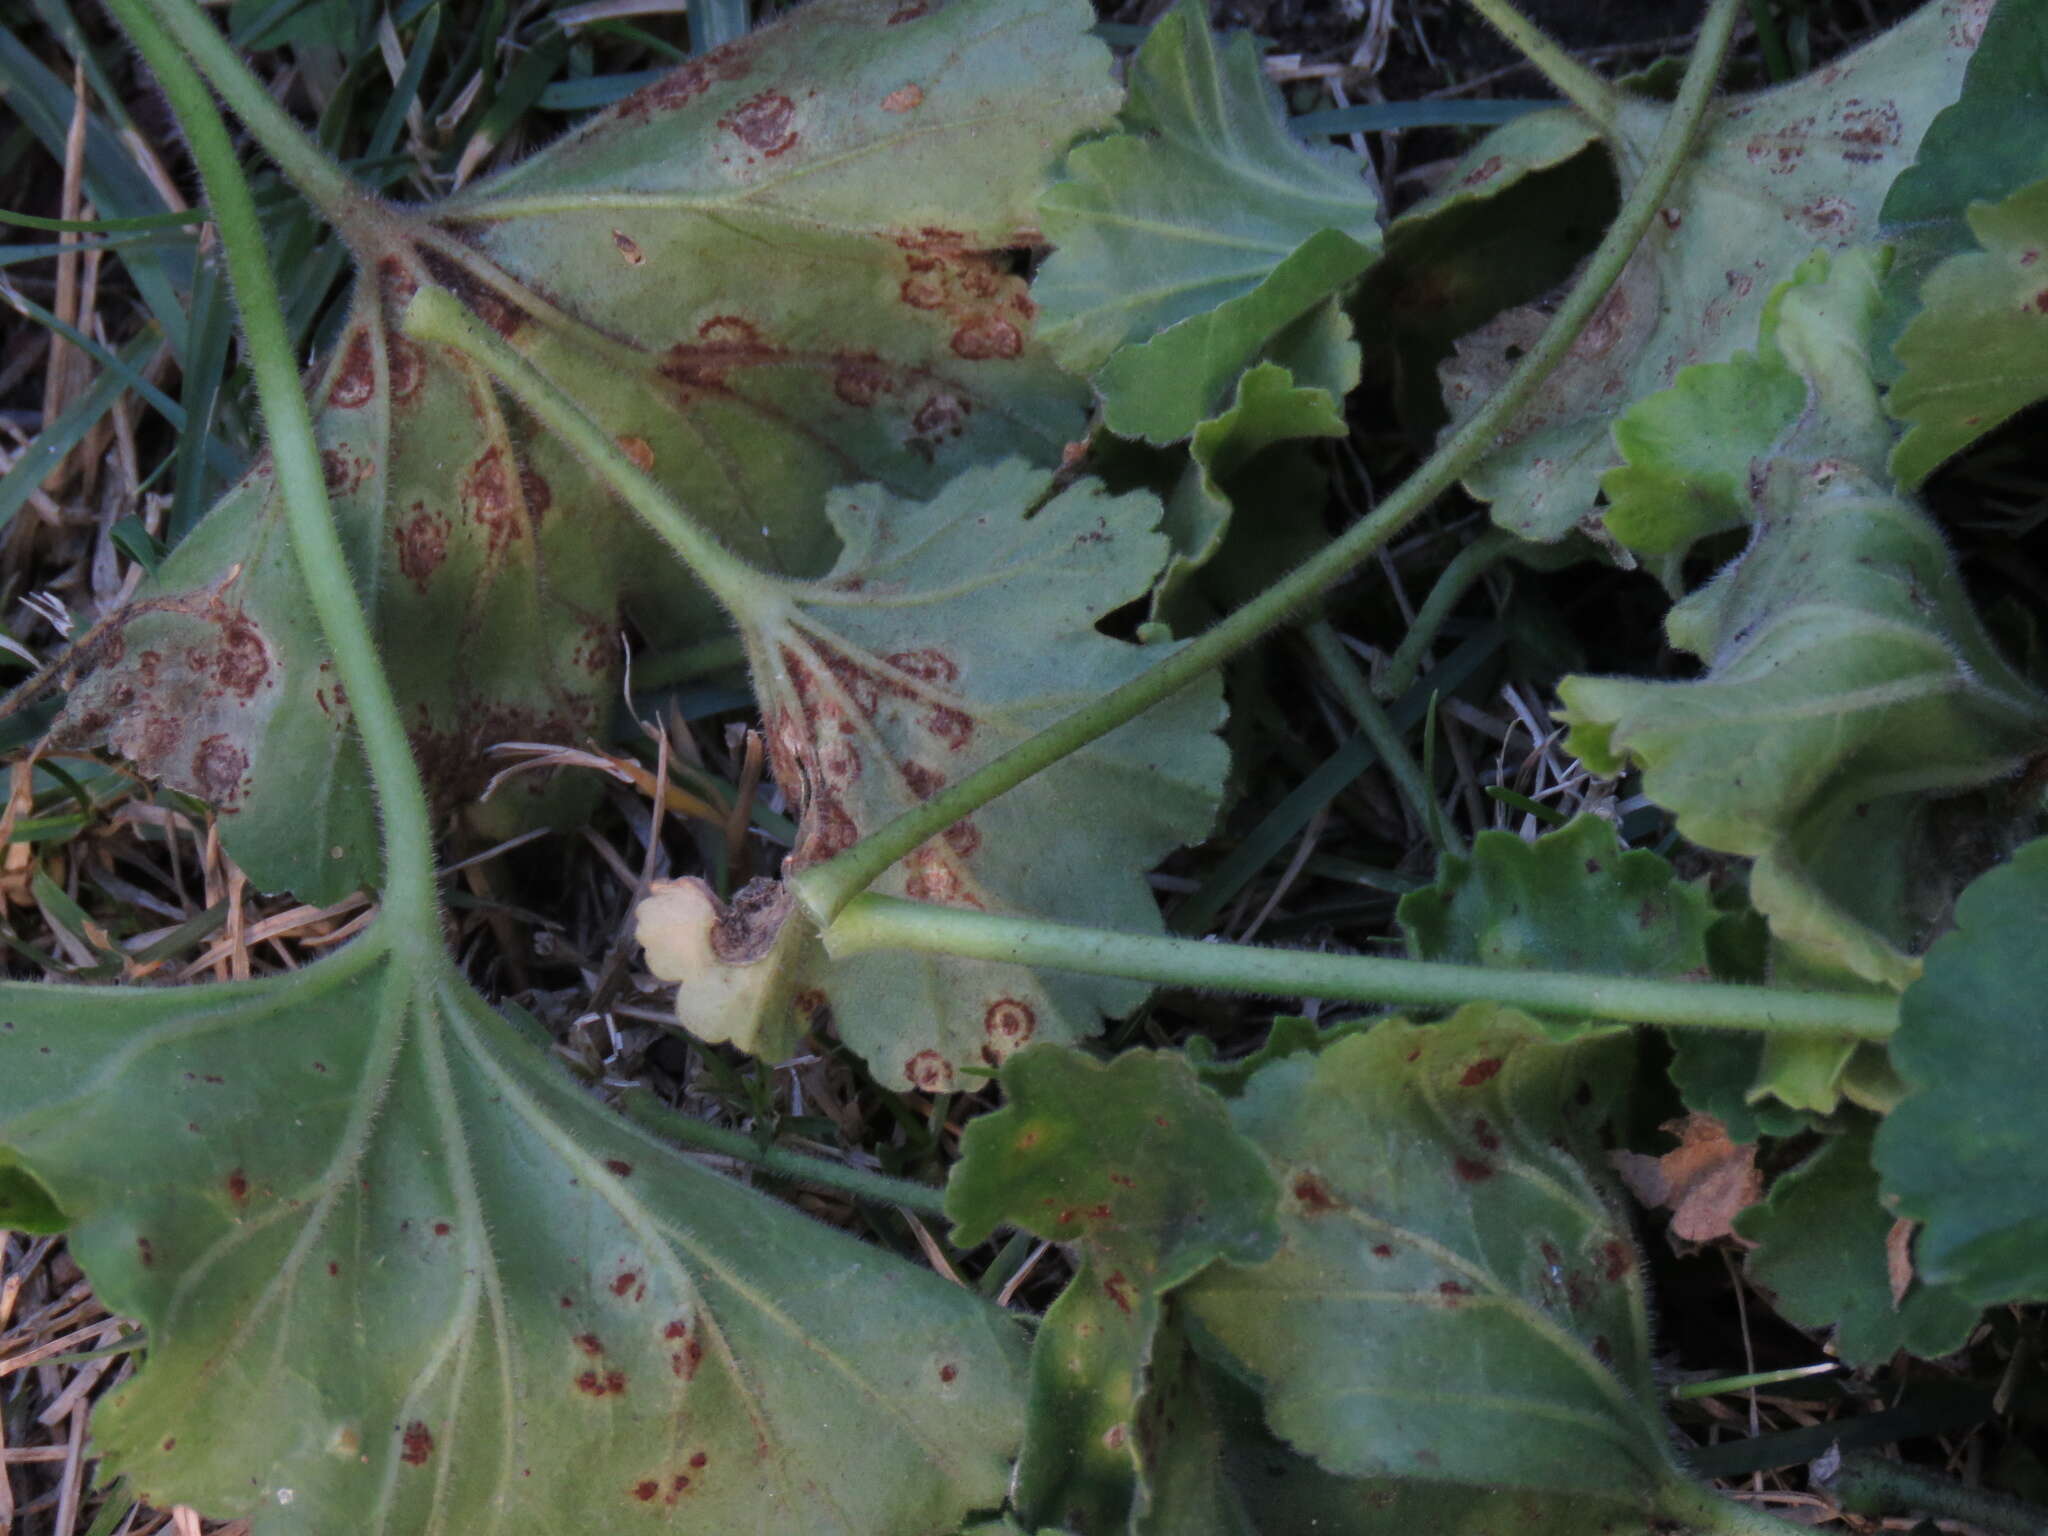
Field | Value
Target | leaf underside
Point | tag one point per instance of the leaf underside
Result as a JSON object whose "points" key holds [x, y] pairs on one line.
{"points": [[1775, 175], [782, 268], [1454, 1299], [399, 1274], [949, 631]]}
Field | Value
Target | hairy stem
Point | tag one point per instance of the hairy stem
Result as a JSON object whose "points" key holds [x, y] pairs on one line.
{"points": [[1385, 739], [410, 894], [825, 888], [434, 315], [1694, 1508], [311, 169], [872, 922], [1576, 83], [1870, 1485]]}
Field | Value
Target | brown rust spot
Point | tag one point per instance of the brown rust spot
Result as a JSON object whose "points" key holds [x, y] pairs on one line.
{"points": [[923, 782], [1009, 1023], [1485, 171], [356, 379], [407, 365], [638, 450], [1118, 1290], [1479, 1072], [590, 1344], [986, 336], [1619, 1261], [685, 85], [952, 726], [417, 1444], [217, 769], [764, 123], [646, 1489], [861, 379], [905, 98], [1313, 1195], [489, 501], [238, 1185], [422, 541], [964, 838], [929, 1072], [628, 247], [1473, 1171], [624, 1281], [619, 1166]]}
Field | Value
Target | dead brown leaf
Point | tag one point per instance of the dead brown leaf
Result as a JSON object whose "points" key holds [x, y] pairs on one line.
{"points": [[1705, 1181]]}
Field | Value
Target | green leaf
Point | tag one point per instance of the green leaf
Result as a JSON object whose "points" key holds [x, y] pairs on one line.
{"points": [[1230, 455], [948, 632], [1134, 1163], [1186, 244], [1220, 1472], [1510, 221], [1573, 900], [1977, 352], [1454, 1299], [1847, 679], [1962, 1153], [1775, 175], [400, 1274], [1981, 148], [783, 268], [1821, 1257]]}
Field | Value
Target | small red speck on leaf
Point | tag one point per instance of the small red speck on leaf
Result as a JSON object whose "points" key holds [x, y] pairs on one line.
{"points": [[418, 1443], [1314, 1195], [698, 1460], [442, 1229], [1382, 1251], [618, 1166], [1619, 1260], [1118, 1290], [1485, 1135], [624, 1282], [645, 1490], [1452, 1290], [333, 1268], [238, 1185], [947, 1373], [1472, 1171], [1479, 1072], [905, 98], [590, 1344]]}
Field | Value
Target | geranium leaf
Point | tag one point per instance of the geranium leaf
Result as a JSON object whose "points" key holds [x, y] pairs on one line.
{"points": [[1454, 1299], [1977, 352], [1984, 146], [1135, 1164], [1847, 677], [1270, 407], [1821, 1257], [1962, 1153], [949, 631], [1218, 1471], [1187, 243], [1506, 226], [1774, 176], [399, 1274], [1573, 900], [780, 269]]}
